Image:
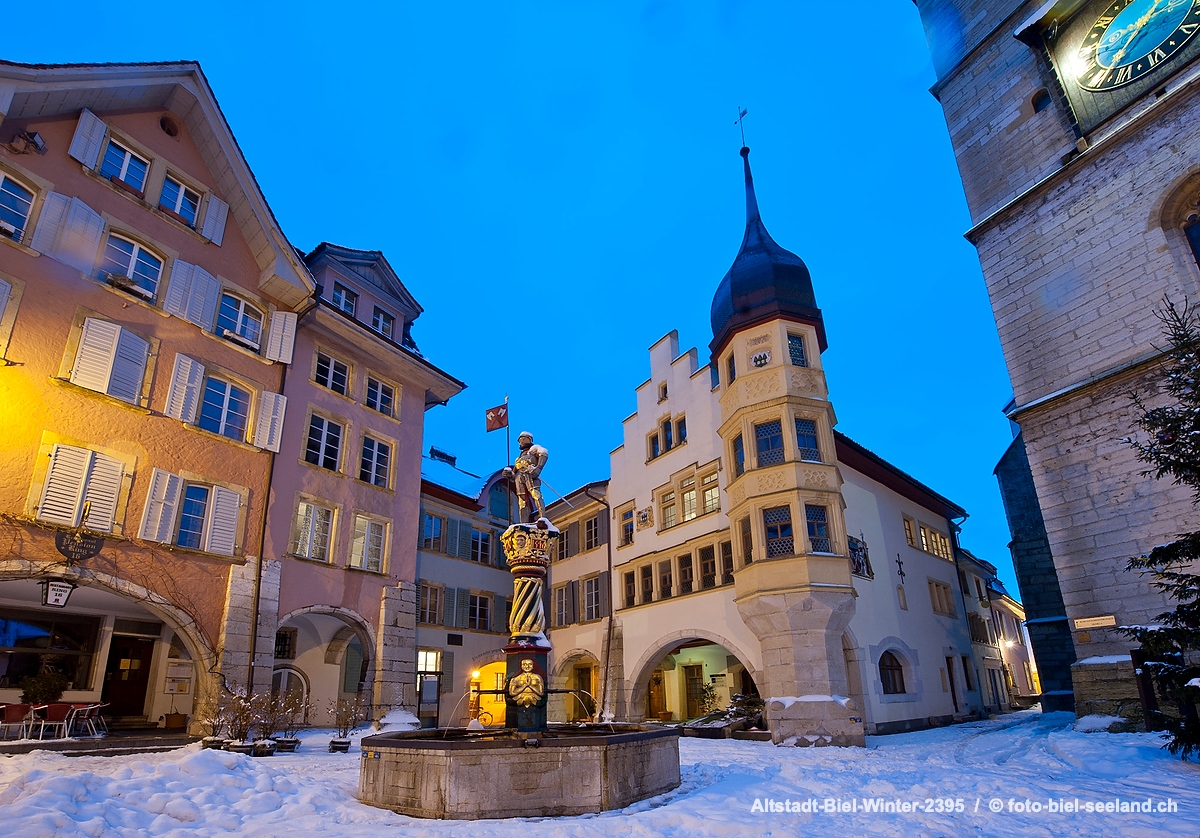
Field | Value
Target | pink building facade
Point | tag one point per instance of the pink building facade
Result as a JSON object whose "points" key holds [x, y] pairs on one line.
{"points": [[346, 492], [148, 307], [212, 442]]}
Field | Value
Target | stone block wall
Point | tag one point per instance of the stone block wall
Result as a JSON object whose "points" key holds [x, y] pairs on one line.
{"points": [[1108, 689], [1002, 144], [1048, 626]]}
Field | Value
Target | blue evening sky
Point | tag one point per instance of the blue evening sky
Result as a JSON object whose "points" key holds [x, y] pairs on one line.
{"points": [[559, 186]]}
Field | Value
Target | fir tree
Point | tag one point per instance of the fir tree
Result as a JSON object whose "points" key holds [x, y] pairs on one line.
{"points": [[1171, 447]]}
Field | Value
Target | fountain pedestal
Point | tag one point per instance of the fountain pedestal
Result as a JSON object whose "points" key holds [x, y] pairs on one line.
{"points": [[528, 548]]}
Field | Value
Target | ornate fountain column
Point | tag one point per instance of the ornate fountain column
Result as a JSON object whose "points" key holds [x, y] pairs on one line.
{"points": [[528, 548]]}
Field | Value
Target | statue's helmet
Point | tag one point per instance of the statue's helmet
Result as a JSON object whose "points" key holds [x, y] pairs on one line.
{"points": [[524, 439]]}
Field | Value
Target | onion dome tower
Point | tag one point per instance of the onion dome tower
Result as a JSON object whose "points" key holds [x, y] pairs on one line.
{"points": [[765, 281], [786, 510]]}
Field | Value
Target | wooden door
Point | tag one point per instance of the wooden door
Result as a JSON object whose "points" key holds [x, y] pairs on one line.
{"points": [[584, 706], [127, 675], [656, 703], [950, 678], [693, 677]]}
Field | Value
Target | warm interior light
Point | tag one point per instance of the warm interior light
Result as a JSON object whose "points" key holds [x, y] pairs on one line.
{"points": [[475, 674]]}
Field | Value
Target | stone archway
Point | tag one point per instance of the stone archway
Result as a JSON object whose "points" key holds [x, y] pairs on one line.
{"points": [[184, 625], [325, 646], [654, 655], [567, 706]]}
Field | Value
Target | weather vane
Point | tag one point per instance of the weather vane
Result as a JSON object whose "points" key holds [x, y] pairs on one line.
{"points": [[738, 122]]}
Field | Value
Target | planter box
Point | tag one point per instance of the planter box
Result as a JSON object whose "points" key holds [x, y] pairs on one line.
{"points": [[287, 744], [175, 721], [339, 746], [246, 748]]}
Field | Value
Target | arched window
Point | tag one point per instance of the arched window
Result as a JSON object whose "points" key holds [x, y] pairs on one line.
{"points": [[290, 682], [891, 674], [131, 266], [239, 321]]}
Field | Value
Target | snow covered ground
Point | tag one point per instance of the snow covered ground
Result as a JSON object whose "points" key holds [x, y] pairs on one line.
{"points": [[729, 788]]}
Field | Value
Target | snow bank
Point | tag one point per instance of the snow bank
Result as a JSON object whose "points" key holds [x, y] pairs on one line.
{"points": [[786, 701], [1104, 659], [730, 788], [1093, 723], [398, 717]]}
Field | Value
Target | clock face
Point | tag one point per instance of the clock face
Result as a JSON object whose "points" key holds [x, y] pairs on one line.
{"points": [[1131, 38]]}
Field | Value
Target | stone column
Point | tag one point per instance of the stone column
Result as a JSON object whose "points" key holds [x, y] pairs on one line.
{"points": [[799, 608], [234, 643], [396, 652]]}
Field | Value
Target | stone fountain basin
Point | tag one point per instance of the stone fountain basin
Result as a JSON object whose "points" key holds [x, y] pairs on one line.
{"points": [[569, 770]]}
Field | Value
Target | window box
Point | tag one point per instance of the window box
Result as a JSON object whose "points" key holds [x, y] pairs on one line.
{"points": [[234, 337], [126, 283], [132, 190], [175, 216]]}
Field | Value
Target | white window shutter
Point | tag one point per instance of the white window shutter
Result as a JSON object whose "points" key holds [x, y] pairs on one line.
{"points": [[80, 239], [358, 549], [62, 495], [183, 396], [222, 521], [51, 223], [97, 350], [214, 220], [269, 430], [88, 139], [180, 288], [129, 367], [282, 336], [202, 302], [158, 519], [101, 492], [5, 292]]}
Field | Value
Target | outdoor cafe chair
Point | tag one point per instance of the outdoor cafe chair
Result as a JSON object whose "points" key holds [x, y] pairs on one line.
{"points": [[85, 719], [15, 717], [58, 717]]}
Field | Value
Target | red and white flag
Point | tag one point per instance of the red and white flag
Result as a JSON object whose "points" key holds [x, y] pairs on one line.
{"points": [[497, 418]]}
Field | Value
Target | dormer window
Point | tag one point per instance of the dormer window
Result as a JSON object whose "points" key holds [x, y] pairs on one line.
{"points": [[179, 201], [383, 323], [239, 321], [344, 298], [122, 165], [130, 266]]}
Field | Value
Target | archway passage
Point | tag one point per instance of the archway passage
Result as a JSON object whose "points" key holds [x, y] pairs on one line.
{"points": [[578, 673], [691, 678], [327, 655]]}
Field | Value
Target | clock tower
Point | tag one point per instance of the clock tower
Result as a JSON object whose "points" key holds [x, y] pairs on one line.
{"points": [[793, 586], [1076, 128]]}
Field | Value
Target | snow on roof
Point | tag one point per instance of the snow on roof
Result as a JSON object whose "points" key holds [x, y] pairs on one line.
{"points": [[450, 477]]}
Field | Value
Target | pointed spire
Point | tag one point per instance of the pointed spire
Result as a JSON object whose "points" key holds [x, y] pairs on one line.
{"points": [[764, 281], [751, 201]]}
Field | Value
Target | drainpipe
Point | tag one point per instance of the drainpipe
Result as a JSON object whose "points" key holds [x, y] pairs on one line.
{"points": [[956, 529], [262, 536], [606, 652]]}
